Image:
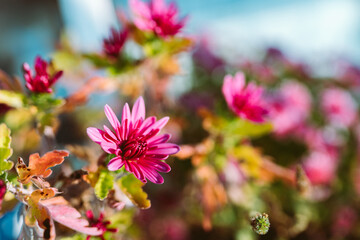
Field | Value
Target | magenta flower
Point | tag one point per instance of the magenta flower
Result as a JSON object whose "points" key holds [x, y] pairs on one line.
{"points": [[99, 224], [113, 45], [244, 101], [156, 16], [2, 191], [340, 108], [42, 81], [135, 143]]}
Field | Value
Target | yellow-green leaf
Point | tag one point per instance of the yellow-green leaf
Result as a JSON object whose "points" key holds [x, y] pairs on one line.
{"points": [[5, 149], [104, 184], [248, 129], [132, 187], [12, 99], [251, 159]]}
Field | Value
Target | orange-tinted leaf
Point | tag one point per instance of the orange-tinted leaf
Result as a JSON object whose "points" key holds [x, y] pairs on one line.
{"points": [[39, 212], [39, 166]]}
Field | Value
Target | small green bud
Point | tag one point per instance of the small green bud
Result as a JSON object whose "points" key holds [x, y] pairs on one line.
{"points": [[260, 223]]}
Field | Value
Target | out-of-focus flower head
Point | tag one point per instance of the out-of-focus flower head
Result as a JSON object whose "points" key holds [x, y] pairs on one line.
{"points": [[100, 223], [320, 167], [42, 81], [339, 106], [158, 17], [349, 73], [246, 101], [135, 143], [204, 56], [344, 220], [289, 107], [261, 71], [115, 42], [320, 139], [275, 57]]}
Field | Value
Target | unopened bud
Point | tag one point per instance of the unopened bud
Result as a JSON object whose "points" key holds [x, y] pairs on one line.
{"points": [[260, 223]]}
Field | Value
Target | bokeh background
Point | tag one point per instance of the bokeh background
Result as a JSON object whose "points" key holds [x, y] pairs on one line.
{"points": [[313, 30], [229, 36]]}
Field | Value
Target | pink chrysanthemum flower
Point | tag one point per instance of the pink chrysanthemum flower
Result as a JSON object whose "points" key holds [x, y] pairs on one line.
{"points": [[100, 224], [135, 142], [42, 81], [156, 16], [244, 100], [113, 45], [339, 106]]}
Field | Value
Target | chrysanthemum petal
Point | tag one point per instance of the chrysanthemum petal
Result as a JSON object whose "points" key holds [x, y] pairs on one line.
{"points": [[159, 139], [115, 164], [138, 172], [152, 175], [157, 125], [158, 165], [138, 110], [165, 148], [95, 134], [110, 133], [126, 114], [114, 121]]}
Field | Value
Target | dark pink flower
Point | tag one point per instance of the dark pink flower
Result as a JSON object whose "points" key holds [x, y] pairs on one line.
{"points": [[113, 45], [99, 224], [42, 81], [156, 16], [2, 191], [339, 106], [135, 143], [244, 100]]}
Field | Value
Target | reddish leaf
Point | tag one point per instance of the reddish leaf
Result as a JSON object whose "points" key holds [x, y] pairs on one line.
{"points": [[39, 166]]}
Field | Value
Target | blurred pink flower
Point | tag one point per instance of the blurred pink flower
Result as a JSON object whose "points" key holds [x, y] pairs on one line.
{"points": [[326, 140], [320, 167], [348, 73], [113, 45], [244, 100], [135, 143], [261, 71], [42, 81], [289, 107], [99, 224], [344, 220], [156, 16], [340, 108]]}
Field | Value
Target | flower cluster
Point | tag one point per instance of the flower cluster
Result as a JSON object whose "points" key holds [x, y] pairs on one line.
{"points": [[157, 17]]}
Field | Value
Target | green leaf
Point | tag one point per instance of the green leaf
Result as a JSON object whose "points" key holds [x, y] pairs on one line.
{"points": [[104, 184], [77, 236], [12, 99], [132, 187], [5, 149], [246, 128], [177, 45], [46, 101]]}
